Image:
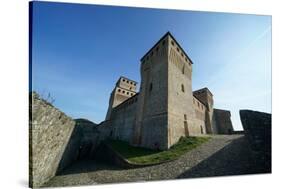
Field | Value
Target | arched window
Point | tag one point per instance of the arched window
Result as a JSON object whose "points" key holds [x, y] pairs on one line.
{"points": [[182, 70]]}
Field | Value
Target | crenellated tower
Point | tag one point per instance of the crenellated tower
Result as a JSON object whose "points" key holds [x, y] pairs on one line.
{"points": [[165, 111], [124, 89]]}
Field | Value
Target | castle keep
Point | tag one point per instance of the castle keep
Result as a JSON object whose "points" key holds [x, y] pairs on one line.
{"points": [[165, 108]]}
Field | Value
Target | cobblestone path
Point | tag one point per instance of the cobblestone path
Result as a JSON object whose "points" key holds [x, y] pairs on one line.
{"points": [[222, 155]]}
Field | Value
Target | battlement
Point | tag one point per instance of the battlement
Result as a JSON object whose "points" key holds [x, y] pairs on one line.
{"points": [[165, 40], [126, 84]]}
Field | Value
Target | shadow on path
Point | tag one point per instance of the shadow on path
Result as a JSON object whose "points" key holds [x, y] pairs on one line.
{"points": [[87, 165], [234, 159]]}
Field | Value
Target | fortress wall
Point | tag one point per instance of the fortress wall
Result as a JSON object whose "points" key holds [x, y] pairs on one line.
{"points": [[154, 134], [223, 121], [49, 133], [104, 129], [123, 120], [200, 117]]}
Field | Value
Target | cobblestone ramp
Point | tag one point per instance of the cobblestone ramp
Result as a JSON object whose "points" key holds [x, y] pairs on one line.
{"points": [[222, 155]]}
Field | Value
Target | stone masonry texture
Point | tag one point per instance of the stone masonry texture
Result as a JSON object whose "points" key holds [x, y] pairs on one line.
{"points": [[50, 130], [257, 129]]}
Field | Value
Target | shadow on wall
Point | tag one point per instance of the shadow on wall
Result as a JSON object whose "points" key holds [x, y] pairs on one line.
{"points": [[81, 145], [237, 158]]}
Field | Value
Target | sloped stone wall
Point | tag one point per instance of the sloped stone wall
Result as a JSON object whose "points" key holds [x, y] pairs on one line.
{"points": [[257, 129], [49, 133]]}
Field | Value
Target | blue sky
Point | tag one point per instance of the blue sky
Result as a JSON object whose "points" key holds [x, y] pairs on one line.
{"points": [[79, 51]]}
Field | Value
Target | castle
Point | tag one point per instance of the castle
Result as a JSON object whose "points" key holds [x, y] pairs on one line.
{"points": [[165, 108]]}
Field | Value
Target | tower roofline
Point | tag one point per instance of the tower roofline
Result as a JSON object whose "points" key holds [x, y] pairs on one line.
{"points": [[164, 36], [123, 77], [203, 89]]}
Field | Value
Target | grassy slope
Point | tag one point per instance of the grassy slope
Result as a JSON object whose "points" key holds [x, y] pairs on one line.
{"points": [[146, 156]]}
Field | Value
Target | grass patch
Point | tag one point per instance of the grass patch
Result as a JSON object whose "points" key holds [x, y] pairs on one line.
{"points": [[147, 156]]}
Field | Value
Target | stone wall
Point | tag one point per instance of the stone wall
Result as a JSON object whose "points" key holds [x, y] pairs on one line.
{"points": [[151, 119], [56, 141], [223, 121], [257, 128], [81, 145], [123, 120], [49, 133]]}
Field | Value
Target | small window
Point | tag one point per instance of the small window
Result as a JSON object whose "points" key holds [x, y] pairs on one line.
{"points": [[182, 87], [123, 80], [198, 104], [131, 83], [178, 49], [182, 70], [119, 90], [151, 53], [127, 81], [185, 117], [132, 94], [163, 43], [157, 49], [123, 91], [173, 43], [134, 84], [150, 87], [181, 54], [147, 58], [185, 59], [127, 93]]}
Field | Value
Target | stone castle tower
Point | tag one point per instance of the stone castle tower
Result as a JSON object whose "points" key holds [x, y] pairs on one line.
{"points": [[165, 108], [206, 97], [124, 89]]}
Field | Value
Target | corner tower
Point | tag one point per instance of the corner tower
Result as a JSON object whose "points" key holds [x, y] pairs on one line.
{"points": [[206, 97], [181, 113], [124, 89], [165, 110]]}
